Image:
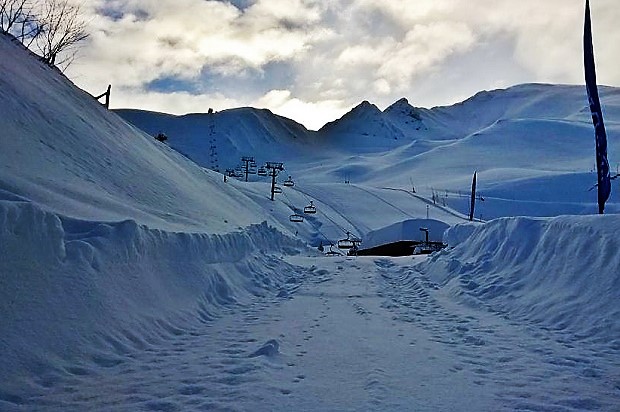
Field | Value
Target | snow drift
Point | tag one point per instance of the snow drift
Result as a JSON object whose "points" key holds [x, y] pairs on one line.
{"points": [[561, 273], [109, 240], [72, 289]]}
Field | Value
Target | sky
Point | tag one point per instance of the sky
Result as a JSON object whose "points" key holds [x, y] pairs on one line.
{"points": [[313, 60]]}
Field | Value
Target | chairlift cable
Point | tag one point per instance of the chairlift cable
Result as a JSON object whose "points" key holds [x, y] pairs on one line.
{"points": [[295, 217], [326, 216], [342, 229], [289, 204]]}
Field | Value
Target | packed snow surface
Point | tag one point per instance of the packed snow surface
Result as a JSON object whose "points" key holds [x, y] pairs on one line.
{"points": [[134, 278]]}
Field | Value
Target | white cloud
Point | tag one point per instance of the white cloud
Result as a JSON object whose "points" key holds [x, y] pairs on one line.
{"points": [[334, 53], [173, 103], [282, 103]]}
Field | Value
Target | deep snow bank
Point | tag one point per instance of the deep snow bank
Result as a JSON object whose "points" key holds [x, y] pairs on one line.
{"points": [[71, 288], [562, 273]]}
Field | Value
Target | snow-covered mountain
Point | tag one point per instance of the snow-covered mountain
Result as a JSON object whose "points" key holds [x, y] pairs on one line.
{"points": [[532, 146], [233, 133], [134, 278]]}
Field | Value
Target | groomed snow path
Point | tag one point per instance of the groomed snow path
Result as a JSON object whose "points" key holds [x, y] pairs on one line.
{"points": [[354, 334]]}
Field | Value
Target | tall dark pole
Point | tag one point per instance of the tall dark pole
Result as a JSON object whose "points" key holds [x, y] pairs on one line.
{"points": [[274, 168], [472, 204], [247, 160], [602, 164], [273, 183]]}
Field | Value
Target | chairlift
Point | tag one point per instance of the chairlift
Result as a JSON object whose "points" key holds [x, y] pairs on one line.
{"points": [[350, 242], [310, 209], [262, 171], [297, 218], [346, 243], [332, 252], [353, 251], [277, 189], [289, 182]]}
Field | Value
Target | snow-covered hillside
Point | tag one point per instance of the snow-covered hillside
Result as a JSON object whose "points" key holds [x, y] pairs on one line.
{"points": [[85, 162], [134, 278], [234, 133], [104, 232], [532, 146]]}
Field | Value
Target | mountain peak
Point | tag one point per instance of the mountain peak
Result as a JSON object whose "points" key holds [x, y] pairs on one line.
{"points": [[402, 108], [365, 107]]}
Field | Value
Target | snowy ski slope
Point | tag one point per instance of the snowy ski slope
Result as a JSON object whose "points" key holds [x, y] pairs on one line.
{"points": [[132, 278]]}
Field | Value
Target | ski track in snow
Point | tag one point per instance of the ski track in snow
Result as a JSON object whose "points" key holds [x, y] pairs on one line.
{"points": [[341, 334], [528, 367]]}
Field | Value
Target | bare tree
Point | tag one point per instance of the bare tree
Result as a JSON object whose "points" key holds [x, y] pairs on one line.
{"points": [[62, 28], [10, 13], [17, 19]]}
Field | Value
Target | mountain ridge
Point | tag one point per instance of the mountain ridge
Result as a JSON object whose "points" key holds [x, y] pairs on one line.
{"points": [[367, 129]]}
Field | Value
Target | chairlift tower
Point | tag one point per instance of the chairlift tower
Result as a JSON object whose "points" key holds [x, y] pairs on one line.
{"points": [[213, 146], [247, 161], [274, 168]]}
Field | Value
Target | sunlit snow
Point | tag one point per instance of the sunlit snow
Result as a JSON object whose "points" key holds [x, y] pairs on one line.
{"points": [[132, 277]]}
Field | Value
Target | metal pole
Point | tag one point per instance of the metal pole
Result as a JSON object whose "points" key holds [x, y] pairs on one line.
{"points": [[273, 183]]}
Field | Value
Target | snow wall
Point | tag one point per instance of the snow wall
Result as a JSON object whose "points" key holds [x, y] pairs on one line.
{"points": [[561, 273], [72, 289]]}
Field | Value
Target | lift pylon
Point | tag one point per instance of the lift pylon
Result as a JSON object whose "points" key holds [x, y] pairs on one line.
{"points": [[274, 168]]}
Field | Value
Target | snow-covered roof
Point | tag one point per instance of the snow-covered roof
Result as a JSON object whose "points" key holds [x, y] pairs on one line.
{"points": [[405, 230]]}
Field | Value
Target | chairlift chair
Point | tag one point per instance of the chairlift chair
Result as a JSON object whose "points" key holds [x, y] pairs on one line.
{"points": [[262, 171], [310, 209], [346, 243], [297, 218], [332, 252], [277, 189], [289, 182]]}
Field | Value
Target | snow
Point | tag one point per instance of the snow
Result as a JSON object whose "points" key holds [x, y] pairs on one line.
{"points": [[406, 230], [535, 269], [134, 278]]}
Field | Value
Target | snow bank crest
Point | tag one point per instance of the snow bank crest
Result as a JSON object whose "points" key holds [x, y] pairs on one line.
{"points": [[561, 273], [71, 286]]}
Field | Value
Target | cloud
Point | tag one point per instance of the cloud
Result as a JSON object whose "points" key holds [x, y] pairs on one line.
{"points": [[281, 102], [170, 102], [309, 58]]}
